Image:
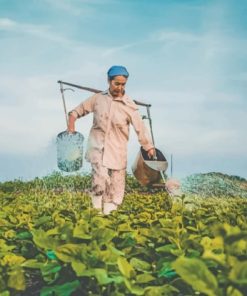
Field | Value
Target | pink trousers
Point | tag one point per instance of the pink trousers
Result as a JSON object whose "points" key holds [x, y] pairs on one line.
{"points": [[107, 187]]}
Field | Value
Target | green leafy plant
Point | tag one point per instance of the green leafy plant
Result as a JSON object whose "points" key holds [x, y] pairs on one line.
{"points": [[52, 242]]}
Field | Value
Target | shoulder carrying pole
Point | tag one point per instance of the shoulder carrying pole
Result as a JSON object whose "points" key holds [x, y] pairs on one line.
{"points": [[98, 91], [81, 87]]}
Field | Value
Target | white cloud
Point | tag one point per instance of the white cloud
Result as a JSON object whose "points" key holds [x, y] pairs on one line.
{"points": [[116, 49], [176, 36], [67, 6], [77, 7], [6, 23], [39, 31]]}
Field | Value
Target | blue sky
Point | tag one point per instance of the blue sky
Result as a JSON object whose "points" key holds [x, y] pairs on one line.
{"points": [[187, 58]]}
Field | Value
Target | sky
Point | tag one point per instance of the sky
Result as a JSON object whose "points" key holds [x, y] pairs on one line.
{"points": [[188, 58]]}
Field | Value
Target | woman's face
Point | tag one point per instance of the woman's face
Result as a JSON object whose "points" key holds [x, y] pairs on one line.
{"points": [[117, 86]]}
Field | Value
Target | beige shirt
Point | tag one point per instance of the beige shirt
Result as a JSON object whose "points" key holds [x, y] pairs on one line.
{"points": [[110, 131]]}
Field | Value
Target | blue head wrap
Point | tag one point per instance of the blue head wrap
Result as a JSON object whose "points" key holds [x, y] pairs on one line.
{"points": [[117, 71]]}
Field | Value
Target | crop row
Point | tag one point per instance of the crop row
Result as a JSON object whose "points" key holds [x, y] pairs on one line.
{"points": [[54, 243]]}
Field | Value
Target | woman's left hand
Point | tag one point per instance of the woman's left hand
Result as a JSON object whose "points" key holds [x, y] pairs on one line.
{"points": [[151, 152]]}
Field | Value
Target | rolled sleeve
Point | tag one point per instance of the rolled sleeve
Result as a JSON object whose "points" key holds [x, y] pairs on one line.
{"points": [[85, 107]]}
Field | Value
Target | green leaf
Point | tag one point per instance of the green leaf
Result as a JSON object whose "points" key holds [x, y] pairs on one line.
{"points": [[115, 251], [165, 222], [87, 272], [50, 271], [16, 279], [4, 248], [124, 227], [42, 220], [194, 272], [60, 290], [103, 278], [127, 240], [50, 268], [82, 231], [32, 263], [230, 239], [194, 229], [167, 271], [104, 235], [166, 248], [237, 248], [78, 267], [44, 241], [66, 231], [24, 235], [238, 273], [51, 254], [69, 252], [231, 291], [140, 265], [177, 252], [11, 259], [110, 255], [144, 278], [166, 290], [136, 290], [141, 239], [53, 231], [100, 222], [219, 258], [5, 293], [125, 268]]}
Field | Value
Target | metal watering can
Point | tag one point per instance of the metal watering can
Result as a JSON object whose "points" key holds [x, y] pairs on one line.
{"points": [[149, 171], [69, 151], [69, 146]]}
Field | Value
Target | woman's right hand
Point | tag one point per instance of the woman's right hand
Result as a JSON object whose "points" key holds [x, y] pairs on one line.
{"points": [[70, 130], [71, 124]]}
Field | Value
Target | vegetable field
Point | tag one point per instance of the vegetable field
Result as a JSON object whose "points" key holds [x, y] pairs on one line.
{"points": [[53, 243]]}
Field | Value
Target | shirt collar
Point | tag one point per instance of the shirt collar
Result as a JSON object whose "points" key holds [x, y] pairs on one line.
{"points": [[122, 99]]}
